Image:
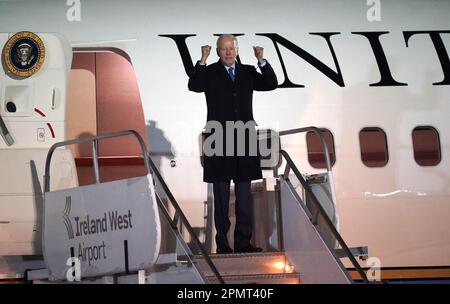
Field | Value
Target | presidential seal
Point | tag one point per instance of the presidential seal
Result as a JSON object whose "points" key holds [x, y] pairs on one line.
{"points": [[24, 54]]}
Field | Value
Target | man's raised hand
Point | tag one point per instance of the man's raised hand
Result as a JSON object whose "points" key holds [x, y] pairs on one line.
{"points": [[259, 54], [206, 50]]}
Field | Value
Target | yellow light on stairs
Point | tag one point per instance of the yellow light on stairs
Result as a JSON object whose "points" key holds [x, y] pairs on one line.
{"points": [[284, 266]]}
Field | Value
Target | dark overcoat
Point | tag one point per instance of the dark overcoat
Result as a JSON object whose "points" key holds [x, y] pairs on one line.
{"points": [[231, 101]]}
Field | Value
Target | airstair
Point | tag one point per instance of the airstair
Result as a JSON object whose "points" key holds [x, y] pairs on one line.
{"points": [[301, 244]]}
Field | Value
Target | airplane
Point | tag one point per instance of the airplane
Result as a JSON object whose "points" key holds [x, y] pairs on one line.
{"points": [[373, 78]]}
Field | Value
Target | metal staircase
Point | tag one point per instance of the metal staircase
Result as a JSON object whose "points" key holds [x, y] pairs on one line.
{"points": [[304, 245], [308, 246]]}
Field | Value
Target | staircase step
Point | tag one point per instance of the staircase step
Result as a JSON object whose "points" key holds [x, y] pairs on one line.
{"points": [[246, 264], [287, 278]]}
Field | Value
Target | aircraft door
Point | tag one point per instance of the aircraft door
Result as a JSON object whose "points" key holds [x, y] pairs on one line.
{"points": [[33, 85]]}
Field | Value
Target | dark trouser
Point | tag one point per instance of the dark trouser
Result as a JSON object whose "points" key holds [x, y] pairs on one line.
{"points": [[244, 219]]}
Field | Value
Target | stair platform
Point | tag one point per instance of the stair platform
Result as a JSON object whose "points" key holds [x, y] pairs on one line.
{"points": [[251, 268]]}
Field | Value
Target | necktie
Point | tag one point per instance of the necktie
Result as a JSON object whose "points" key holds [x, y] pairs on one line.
{"points": [[231, 73]]}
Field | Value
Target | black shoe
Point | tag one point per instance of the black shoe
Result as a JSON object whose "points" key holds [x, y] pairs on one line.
{"points": [[249, 248], [224, 250]]}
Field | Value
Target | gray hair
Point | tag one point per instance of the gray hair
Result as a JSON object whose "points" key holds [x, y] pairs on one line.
{"points": [[227, 36]]}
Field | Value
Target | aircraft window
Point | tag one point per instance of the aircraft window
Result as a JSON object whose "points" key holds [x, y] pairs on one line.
{"points": [[427, 148], [373, 145], [316, 156]]}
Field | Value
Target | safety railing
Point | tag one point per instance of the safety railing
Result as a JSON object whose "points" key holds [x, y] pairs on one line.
{"points": [[319, 133], [94, 140], [151, 169], [180, 217], [329, 224]]}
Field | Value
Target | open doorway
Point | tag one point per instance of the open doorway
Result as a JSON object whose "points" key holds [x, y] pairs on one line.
{"points": [[103, 97]]}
